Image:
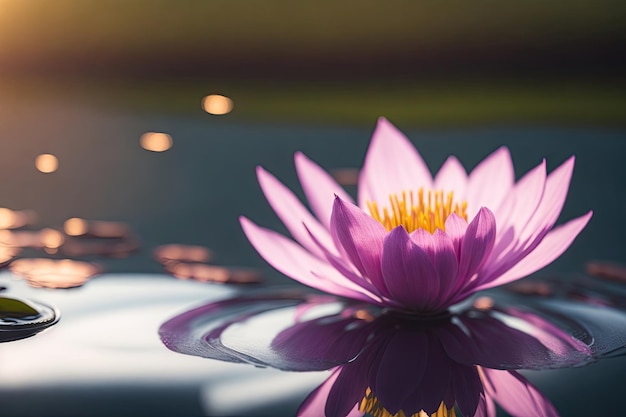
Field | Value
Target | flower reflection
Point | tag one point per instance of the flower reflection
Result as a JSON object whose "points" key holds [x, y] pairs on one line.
{"points": [[408, 367], [414, 242], [394, 364]]}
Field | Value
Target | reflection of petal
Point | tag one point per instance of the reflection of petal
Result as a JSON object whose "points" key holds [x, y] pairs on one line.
{"points": [[515, 394], [348, 390], [316, 400], [343, 339], [403, 362], [487, 341]]}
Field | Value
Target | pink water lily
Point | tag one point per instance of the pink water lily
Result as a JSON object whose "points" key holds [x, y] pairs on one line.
{"points": [[415, 242]]}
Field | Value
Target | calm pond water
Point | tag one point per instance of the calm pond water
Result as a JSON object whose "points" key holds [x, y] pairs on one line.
{"points": [[105, 357]]}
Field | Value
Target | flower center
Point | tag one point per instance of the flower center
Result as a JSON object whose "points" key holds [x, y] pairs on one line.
{"points": [[370, 404], [420, 210]]}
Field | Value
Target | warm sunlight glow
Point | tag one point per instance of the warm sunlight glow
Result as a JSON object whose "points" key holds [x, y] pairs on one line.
{"points": [[75, 227], [217, 104], [46, 163], [156, 141]]}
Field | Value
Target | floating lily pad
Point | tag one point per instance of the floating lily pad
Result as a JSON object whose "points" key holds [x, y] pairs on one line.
{"points": [[23, 318]]}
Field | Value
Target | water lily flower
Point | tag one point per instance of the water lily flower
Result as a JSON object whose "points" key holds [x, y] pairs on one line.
{"points": [[412, 241]]}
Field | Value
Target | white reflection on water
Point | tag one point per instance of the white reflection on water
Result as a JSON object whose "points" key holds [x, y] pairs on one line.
{"points": [[260, 391], [108, 333], [108, 337]]}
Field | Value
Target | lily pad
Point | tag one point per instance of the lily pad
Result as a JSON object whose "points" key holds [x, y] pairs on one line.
{"points": [[24, 318], [16, 309]]}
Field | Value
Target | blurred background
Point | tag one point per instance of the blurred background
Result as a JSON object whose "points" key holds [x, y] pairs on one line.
{"points": [[227, 85], [154, 115], [420, 63]]}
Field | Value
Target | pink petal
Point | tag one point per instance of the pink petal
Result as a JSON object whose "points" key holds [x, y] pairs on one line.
{"points": [[537, 227], [293, 213], [455, 229], [490, 182], [550, 248], [361, 237], [547, 213], [526, 197], [515, 394], [528, 191], [292, 260], [392, 165], [408, 271], [477, 243], [445, 263], [319, 187], [347, 269], [452, 177], [442, 254]]}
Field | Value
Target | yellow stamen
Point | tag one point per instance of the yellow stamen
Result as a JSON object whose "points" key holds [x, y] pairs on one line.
{"points": [[370, 404], [417, 212]]}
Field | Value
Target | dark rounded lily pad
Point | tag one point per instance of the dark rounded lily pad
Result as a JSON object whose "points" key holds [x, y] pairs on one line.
{"points": [[24, 318]]}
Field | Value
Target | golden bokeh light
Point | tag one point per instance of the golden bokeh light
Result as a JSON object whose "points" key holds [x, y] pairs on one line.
{"points": [[156, 141], [172, 253], [484, 303], [75, 227], [51, 239], [54, 273], [46, 163], [7, 218], [217, 104]]}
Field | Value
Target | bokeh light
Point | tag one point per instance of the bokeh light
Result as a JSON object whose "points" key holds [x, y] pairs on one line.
{"points": [[75, 227], [217, 104], [172, 253], [7, 218], [484, 303], [54, 273], [156, 141], [51, 239], [346, 176], [46, 163]]}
